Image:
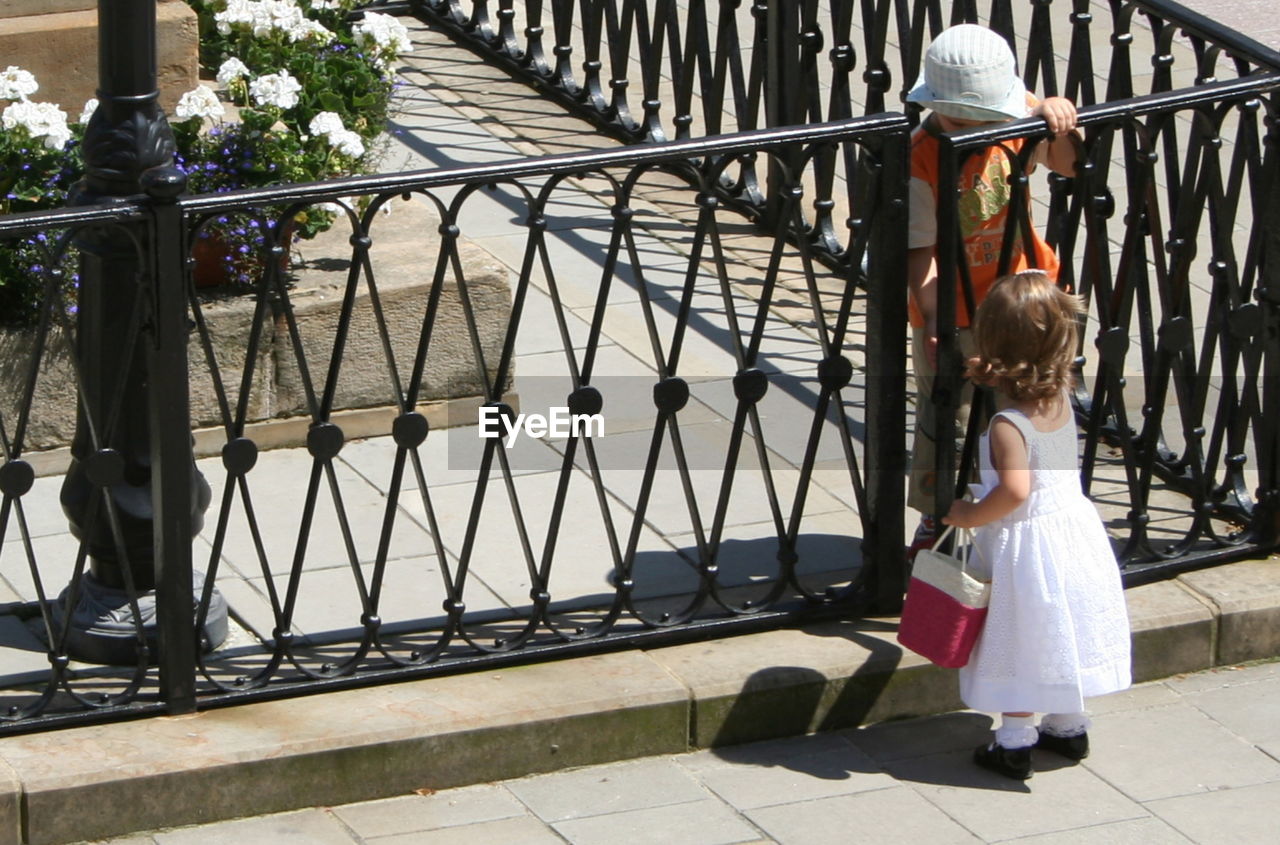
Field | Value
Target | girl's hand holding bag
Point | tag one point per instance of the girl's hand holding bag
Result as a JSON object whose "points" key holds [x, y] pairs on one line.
{"points": [[946, 605]]}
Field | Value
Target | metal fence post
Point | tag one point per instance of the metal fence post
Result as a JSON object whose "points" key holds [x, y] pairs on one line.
{"points": [[886, 459], [947, 384], [174, 497], [1267, 519]]}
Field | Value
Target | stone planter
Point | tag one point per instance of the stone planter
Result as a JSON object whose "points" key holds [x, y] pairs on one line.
{"points": [[405, 244], [52, 420], [57, 40]]}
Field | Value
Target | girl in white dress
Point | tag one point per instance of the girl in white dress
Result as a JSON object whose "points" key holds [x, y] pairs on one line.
{"points": [[1057, 630]]}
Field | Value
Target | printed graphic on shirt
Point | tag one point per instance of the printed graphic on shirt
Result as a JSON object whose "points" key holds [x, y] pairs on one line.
{"points": [[987, 197], [983, 209]]}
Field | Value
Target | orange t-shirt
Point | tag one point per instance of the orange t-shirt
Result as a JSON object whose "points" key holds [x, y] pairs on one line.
{"points": [[985, 194]]}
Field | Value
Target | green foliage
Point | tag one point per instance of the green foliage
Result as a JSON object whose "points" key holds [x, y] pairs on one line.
{"points": [[33, 176], [308, 100]]}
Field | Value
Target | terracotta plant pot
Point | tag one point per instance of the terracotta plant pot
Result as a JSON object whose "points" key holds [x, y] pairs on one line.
{"points": [[211, 251]]}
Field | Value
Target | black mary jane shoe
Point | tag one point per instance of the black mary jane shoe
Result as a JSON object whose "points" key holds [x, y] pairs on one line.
{"points": [[1011, 762], [1072, 747]]}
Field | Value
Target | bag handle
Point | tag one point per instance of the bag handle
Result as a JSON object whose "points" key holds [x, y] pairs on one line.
{"points": [[962, 545]]}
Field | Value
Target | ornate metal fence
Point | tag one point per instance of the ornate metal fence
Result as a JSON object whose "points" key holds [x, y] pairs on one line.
{"points": [[1179, 347], [393, 549], [1189, 167], [648, 71]]}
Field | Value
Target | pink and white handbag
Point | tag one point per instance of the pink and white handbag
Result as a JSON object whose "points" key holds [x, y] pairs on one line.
{"points": [[946, 605]]}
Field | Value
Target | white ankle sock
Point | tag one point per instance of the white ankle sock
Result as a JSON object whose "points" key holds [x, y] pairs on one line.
{"points": [[1065, 724], [1017, 732]]}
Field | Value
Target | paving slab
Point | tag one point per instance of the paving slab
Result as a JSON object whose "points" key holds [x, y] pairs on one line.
{"points": [[1130, 832], [276, 493], [329, 609], [805, 774], [468, 805], [523, 829], [1173, 750], [995, 807], [607, 790], [306, 827], [23, 657], [1248, 709], [1219, 677], [716, 824], [1138, 697], [904, 739], [1225, 817], [895, 816]]}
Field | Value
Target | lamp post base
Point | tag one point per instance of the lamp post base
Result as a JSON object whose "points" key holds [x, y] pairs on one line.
{"points": [[103, 629]]}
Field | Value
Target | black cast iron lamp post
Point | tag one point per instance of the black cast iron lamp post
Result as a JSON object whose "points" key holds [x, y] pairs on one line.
{"points": [[125, 434]]}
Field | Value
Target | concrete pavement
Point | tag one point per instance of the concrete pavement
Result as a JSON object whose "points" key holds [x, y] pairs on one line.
{"points": [[1254, 18], [1190, 759]]}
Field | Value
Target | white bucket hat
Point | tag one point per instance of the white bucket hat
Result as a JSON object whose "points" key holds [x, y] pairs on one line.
{"points": [[970, 73]]}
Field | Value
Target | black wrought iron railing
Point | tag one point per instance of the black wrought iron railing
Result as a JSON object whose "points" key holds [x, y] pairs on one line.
{"points": [[754, 395], [416, 551], [660, 70], [649, 71], [1175, 378]]}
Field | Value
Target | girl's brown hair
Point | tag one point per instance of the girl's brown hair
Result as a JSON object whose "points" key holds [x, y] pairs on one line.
{"points": [[1026, 330]]}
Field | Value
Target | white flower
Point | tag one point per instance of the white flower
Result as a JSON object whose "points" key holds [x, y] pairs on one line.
{"points": [[385, 34], [326, 4], [329, 125], [200, 102], [275, 15], [237, 12], [266, 18], [347, 142], [326, 123], [275, 89], [90, 106], [17, 84], [232, 69], [41, 120], [313, 30]]}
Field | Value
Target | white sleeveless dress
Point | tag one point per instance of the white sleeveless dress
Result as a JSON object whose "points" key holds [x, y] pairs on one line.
{"points": [[1057, 630]]}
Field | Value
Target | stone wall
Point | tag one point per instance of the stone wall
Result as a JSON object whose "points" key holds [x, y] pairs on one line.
{"points": [[57, 40], [405, 245]]}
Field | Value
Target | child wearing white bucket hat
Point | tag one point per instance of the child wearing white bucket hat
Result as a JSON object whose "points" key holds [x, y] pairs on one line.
{"points": [[969, 78]]}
